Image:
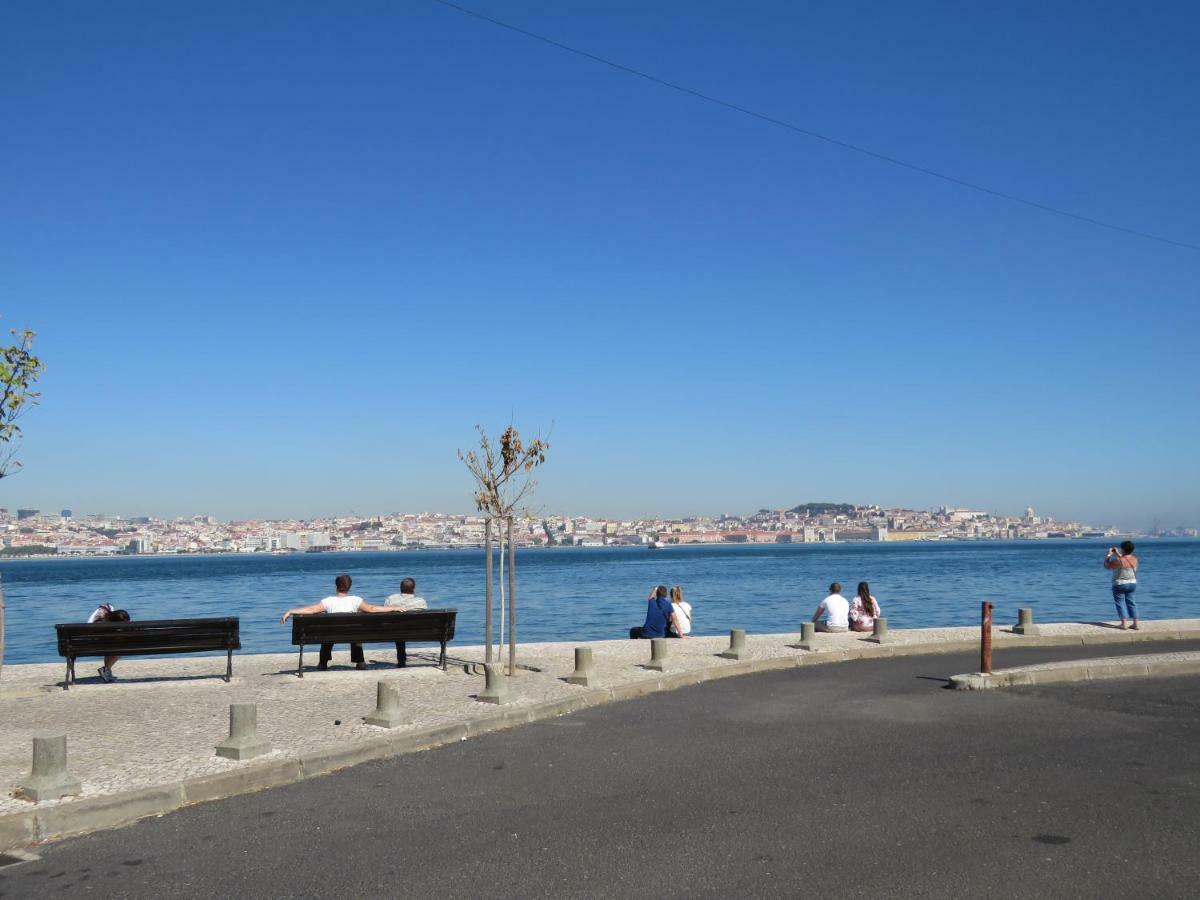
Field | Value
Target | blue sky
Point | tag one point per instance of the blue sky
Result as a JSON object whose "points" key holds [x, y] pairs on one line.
{"points": [[282, 257]]}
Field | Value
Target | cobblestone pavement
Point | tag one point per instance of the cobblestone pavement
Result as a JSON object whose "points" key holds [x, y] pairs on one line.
{"points": [[159, 724]]}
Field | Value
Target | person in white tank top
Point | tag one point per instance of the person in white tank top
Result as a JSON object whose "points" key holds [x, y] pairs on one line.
{"points": [[341, 602]]}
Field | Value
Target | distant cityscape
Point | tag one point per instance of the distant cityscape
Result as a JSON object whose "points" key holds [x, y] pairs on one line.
{"points": [[30, 532]]}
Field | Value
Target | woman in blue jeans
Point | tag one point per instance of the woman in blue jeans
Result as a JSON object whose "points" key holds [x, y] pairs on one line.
{"points": [[1124, 568]]}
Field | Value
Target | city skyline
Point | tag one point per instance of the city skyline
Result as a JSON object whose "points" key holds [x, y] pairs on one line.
{"points": [[276, 275]]}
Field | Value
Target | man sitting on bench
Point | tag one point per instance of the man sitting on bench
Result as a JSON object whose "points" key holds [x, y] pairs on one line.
{"points": [[342, 602]]}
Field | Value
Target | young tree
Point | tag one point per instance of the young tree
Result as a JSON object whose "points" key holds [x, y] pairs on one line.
{"points": [[502, 471], [19, 369]]}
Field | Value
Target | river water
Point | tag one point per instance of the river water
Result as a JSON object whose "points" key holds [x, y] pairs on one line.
{"points": [[598, 593]]}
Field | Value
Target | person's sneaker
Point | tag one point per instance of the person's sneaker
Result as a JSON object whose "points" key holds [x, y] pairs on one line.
{"points": [[106, 675]]}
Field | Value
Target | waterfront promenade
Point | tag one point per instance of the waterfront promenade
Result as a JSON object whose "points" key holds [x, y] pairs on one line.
{"points": [[858, 780], [146, 744]]}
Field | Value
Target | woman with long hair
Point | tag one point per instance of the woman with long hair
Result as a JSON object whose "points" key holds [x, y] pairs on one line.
{"points": [[683, 611], [864, 609]]}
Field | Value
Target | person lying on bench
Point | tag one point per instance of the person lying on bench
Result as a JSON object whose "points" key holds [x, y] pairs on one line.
{"points": [[341, 602]]}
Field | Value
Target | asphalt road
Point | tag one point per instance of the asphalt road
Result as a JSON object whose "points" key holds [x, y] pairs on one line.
{"points": [[867, 779]]}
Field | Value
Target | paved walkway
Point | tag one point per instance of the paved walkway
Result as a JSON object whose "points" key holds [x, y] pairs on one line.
{"points": [[859, 780], [158, 726]]}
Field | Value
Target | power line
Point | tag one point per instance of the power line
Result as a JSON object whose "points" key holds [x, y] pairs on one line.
{"points": [[845, 145]]}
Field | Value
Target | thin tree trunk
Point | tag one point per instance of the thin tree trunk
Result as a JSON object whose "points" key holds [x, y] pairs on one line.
{"points": [[1, 625], [512, 601], [487, 589], [503, 604]]}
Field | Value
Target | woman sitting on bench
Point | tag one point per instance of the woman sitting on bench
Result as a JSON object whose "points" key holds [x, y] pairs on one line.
{"points": [[341, 602], [105, 613]]}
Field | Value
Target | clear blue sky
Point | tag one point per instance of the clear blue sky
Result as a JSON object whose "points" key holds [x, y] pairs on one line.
{"points": [[282, 257]]}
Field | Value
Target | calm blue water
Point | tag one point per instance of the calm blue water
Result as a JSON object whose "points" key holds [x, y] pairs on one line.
{"points": [[571, 593]]}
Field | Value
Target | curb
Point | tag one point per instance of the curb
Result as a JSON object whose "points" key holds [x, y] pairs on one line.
{"points": [[1085, 670], [76, 817]]}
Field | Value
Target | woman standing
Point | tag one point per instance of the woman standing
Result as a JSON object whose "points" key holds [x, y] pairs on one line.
{"points": [[1124, 567], [864, 609]]}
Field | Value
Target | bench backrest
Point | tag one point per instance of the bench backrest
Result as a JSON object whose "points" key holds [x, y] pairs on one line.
{"points": [[145, 637], [367, 628]]}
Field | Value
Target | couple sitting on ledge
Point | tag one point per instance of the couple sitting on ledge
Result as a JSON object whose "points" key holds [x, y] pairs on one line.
{"points": [[345, 602], [667, 615], [841, 615]]}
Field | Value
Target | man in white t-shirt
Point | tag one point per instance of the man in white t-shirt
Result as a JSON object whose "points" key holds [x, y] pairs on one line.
{"points": [[341, 602], [836, 610], [405, 601]]}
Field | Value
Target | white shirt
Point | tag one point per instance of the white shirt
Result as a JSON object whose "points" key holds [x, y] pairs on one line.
{"points": [[406, 601], [337, 604], [101, 613], [837, 611], [683, 612]]}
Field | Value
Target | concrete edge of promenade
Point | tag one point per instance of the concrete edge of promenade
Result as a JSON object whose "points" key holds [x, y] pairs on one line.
{"points": [[53, 822], [1150, 665]]}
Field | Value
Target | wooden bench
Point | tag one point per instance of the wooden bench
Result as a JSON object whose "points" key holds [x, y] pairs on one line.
{"points": [[418, 625], [145, 638]]}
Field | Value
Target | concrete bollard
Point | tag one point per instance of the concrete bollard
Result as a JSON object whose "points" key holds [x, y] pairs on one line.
{"points": [[387, 712], [49, 779], [495, 689], [243, 741], [880, 635], [737, 645], [585, 671], [1025, 622], [808, 632], [658, 654]]}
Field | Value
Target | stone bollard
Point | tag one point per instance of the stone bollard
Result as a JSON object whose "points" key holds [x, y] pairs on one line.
{"points": [[658, 654], [737, 645], [243, 741], [387, 707], [808, 632], [49, 779], [1025, 622], [495, 688], [880, 635], [585, 671]]}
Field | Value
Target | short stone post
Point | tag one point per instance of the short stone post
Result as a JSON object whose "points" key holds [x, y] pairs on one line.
{"points": [[880, 635], [585, 670], [387, 712], [737, 645], [49, 779], [495, 689], [808, 632], [658, 654], [1025, 622], [243, 741]]}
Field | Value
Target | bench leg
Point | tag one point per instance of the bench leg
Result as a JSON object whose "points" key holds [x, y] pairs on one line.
{"points": [[228, 666], [67, 677], [300, 668], [443, 656], [401, 654]]}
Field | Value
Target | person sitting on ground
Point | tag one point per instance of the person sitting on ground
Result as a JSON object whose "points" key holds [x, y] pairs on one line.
{"points": [[864, 609], [105, 613], [660, 616], [836, 610], [342, 602], [405, 601], [1124, 567], [683, 612]]}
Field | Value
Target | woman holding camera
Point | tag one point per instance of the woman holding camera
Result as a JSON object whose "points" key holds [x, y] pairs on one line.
{"points": [[1124, 566]]}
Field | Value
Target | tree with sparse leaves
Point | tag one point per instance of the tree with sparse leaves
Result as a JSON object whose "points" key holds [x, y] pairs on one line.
{"points": [[19, 369], [503, 474]]}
